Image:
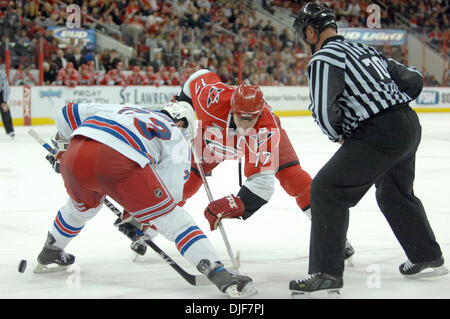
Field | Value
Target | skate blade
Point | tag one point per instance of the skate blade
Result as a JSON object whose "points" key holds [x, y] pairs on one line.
{"points": [[135, 257], [40, 269], [320, 294], [429, 272], [349, 262], [247, 291]]}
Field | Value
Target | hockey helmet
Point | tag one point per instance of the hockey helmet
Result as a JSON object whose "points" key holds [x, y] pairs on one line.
{"points": [[247, 101], [183, 111], [317, 15]]}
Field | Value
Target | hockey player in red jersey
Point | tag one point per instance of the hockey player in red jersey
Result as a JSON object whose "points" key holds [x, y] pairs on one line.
{"points": [[236, 122]]}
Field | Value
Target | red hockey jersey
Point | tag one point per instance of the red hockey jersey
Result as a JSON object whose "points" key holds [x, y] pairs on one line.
{"points": [[217, 134]]}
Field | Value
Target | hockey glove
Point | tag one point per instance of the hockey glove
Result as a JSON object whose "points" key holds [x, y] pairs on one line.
{"points": [[227, 207], [130, 227], [51, 158], [135, 231], [61, 146]]}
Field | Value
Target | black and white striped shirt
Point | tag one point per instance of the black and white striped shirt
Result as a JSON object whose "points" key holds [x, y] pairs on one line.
{"points": [[350, 82], [5, 90]]}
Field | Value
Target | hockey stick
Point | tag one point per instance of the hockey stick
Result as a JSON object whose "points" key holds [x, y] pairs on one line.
{"points": [[195, 280], [235, 260], [240, 171], [41, 141]]}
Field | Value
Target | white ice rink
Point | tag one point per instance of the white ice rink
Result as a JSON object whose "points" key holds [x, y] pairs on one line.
{"points": [[273, 244]]}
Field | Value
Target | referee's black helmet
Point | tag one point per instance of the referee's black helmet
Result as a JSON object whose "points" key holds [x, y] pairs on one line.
{"points": [[317, 15]]}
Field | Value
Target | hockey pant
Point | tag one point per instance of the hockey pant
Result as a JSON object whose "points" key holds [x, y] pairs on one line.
{"points": [[92, 170]]}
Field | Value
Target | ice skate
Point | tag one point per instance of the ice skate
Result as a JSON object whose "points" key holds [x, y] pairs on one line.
{"points": [[349, 252], [53, 259], [423, 270], [317, 282], [234, 285], [139, 246]]}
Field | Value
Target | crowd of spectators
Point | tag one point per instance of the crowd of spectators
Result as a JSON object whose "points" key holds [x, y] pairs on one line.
{"points": [[171, 39], [429, 17]]}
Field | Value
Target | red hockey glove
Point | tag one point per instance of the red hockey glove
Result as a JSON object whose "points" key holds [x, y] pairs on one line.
{"points": [[227, 207]]}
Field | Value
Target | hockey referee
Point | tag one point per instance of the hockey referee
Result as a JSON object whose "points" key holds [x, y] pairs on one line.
{"points": [[359, 98], [4, 109]]}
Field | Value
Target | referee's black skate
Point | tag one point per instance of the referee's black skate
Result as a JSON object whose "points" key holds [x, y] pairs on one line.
{"points": [[52, 258], [316, 282], [432, 268], [234, 285]]}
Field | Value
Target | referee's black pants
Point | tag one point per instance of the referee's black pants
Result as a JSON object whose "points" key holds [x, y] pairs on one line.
{"points": [[382, 152], [6, 117]]}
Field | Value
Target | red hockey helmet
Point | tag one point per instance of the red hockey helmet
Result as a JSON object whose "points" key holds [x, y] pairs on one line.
{"points": [[247, 101]]}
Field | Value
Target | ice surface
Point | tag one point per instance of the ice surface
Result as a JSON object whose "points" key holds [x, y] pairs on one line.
{"points": [[273, 243]]}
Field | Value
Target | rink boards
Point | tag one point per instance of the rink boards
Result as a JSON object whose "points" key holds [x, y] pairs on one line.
{"points": [[38, 104]]}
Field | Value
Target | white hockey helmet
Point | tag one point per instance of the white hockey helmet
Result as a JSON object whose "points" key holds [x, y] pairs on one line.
{"points": [[183, 111]]}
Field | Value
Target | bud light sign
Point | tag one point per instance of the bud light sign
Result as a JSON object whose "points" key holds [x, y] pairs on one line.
{"points": [[84, 38], [374, 36], [428, 97]]}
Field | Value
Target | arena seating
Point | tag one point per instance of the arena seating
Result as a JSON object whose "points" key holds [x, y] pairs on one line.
{"points": [[172, 38]]}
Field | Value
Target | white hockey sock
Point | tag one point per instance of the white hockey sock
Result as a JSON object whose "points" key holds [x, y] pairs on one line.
{"points": [[195, 246], [69, 221], [179, 226], [65, 227]]}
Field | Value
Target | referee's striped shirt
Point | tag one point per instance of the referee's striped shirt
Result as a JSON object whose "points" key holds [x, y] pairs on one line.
{"points": [[350, 82]]}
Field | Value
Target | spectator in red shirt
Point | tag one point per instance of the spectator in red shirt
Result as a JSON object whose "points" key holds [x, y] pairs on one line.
{"points": [[174, 76], [435, 36], [23, 76], [132, 8], [135, 77], [87, 77], [95, 75], [150, 78], [68, 76], [115, 76]]}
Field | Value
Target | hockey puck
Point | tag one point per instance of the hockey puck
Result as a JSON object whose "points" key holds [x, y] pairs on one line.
{"points": [[22, 265]]}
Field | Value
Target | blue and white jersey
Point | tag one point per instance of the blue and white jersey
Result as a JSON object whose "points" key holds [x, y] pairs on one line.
{"points": [[144, 136]]}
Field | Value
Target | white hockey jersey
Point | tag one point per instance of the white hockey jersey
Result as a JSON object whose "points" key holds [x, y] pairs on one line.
{"points": [[144, 136]]}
